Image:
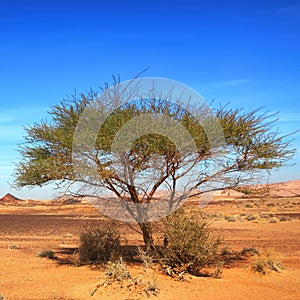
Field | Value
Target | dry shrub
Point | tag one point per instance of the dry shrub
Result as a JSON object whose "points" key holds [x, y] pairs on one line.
{"points": [[13, 246], [251, 218], [145, 258], [98, 246], [149, 283], [48, 254], [248, 251], [189, 243], [230, 219], [266, 262], [117, 272]]}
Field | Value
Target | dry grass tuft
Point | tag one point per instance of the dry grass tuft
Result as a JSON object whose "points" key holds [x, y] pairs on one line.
{"points": [[266, 262]]}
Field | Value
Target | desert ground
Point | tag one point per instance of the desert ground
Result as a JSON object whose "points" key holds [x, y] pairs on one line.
{"points": [[28, 227]]}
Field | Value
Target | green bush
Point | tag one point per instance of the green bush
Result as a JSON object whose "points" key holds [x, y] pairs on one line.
{"points": [[189, 243], [99, 245]]}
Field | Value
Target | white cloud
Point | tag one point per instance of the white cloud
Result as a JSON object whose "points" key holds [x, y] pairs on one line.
{"points": [[227, 83]]}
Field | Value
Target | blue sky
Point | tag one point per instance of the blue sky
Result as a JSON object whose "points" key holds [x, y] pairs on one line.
{"points": [[243, 53]]}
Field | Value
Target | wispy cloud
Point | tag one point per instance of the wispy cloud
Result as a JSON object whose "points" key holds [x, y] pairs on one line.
{"points": [[6, 172], [227, 83], [6, 169], [4, 119], [10, 134], [290, 10], [289, 117], [12, 122], [21, 113]]}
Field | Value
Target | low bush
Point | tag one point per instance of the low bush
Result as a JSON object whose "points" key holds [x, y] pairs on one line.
{"points": [[13, 246], [98, 246], [231, 219], [189, 243], [251, 218]]}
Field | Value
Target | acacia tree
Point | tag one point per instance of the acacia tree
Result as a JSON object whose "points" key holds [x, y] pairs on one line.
{"points": [[165, 149]]}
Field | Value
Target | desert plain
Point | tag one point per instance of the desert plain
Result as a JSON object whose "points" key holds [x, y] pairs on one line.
{"points": [[28, 227]]}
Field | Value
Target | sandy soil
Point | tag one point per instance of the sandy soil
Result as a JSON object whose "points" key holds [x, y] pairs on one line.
{"points": [[28, 228]]}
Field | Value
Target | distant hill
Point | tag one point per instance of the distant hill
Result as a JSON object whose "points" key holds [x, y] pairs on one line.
{"points": [[69, 199], [285, 189], [9, 198], [279, 189]]}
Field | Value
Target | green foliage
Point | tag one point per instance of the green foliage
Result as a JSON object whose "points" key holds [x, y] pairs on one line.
{"points": [[99, 245], [189, 243], [47, 152], [250, 134]]}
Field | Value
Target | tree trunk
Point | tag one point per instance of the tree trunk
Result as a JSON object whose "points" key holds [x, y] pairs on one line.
{"points": [[147, 235]]}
